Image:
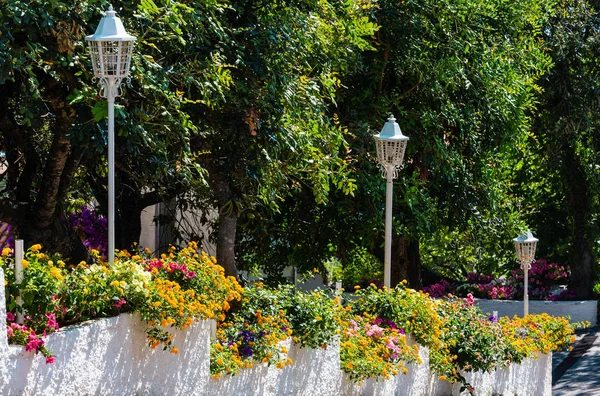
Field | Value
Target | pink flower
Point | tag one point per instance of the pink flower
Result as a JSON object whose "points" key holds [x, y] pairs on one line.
{"points": [[52, 323], [9, 331], [10, 317], [50, 360], [374, 331], [190, 274], [33, 343], [469, 300], [118, 304]]}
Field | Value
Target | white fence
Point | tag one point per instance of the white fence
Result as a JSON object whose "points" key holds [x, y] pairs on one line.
{"points": [[111, 357], [579, 311]]}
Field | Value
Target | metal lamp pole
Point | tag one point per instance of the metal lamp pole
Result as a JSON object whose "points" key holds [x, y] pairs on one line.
{"points": [[391, 145], [110, 49], [525, 249]]}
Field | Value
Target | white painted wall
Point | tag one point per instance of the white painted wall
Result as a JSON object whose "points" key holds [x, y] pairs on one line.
{"points": [[579, 311], [110, 357]]}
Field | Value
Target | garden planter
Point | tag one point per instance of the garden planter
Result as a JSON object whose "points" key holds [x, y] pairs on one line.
{"points": [[414, 382], [110, 356], [107, 356], [313, 372], [579, 311], [532, 377]]}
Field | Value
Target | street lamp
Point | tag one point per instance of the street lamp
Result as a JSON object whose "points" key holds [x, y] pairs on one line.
{"points": [[525, 248], [391, 144], [110, 50]]}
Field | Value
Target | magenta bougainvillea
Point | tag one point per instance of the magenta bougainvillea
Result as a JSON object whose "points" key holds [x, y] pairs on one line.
{"points": [[543, 277], [92, 229]]}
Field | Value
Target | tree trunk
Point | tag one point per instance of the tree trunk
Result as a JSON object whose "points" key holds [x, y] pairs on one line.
{"points": [[227, 228], [128, 224], [579, 207], [406, 262], [57, 237]]}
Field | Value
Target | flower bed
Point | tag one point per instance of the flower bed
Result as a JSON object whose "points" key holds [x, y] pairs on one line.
{"points": [[283, 336]]}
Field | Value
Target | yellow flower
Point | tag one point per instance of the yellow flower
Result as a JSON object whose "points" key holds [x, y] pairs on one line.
{"points": [[6, 251], [55, 272], [36, 247], [115, 283], [24, 263]]}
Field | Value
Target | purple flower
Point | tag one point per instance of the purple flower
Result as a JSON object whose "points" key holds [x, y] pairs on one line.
{"points": [[493, 319], [246, 351]]}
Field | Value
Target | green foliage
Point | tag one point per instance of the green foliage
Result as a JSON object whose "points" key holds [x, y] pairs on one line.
{"points": [[472, 342], [40, 287], [462, 78], [361, 266], [560, 178], [314, 318], [412, 310]]}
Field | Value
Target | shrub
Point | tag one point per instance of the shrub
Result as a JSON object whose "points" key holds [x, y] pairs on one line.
{"points": [[410, 309], [372, 347], [314, 318], [253, 333], [542, 277], [470, 341]]}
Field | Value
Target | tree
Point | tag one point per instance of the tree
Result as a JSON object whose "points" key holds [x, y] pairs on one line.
{"points": [[561, 180], [270, 133], [460, 77], [227, 99], [52, 121]]}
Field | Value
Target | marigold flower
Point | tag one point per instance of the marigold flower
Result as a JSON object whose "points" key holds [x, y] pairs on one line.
{"points": [[36, 247]]}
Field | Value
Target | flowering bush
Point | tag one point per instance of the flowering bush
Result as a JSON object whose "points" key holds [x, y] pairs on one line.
{"points": [[42, 283], [470, 341], [186, 286], [253, 334], [374, 348], [542, 277], [314, 318], [23, 335], [538, 333], [91, 228], [410, 309], [169, 292]]}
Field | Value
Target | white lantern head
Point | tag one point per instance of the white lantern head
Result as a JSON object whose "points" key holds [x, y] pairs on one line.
{"points": [[391, 145], [111, 48], [525, 248]]}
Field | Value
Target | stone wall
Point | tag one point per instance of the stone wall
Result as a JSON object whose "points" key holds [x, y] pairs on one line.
{"points": [[579, 311]]}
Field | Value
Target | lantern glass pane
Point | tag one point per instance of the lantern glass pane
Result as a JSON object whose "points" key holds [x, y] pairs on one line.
{"points": [[111, 58], [391, 152]]}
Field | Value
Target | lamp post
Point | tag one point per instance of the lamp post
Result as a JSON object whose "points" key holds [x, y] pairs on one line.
{"points": [[525, 248], [391, 145], [110, 50]]}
